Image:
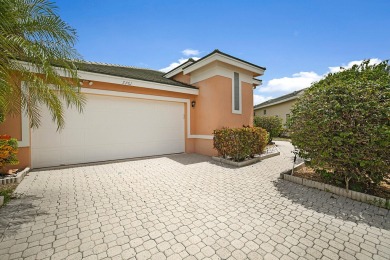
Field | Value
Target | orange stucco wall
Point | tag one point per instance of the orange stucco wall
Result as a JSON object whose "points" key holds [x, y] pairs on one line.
{"points": [[213, 110], [205, 147], [214, 105], [182, 78], [13, 126]]}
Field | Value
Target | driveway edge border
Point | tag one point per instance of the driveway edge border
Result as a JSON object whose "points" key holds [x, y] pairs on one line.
{"points": [[15, 179], [354, 195]]}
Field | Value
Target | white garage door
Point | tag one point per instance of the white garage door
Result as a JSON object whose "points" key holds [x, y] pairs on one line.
{"points": [[109, 128]]}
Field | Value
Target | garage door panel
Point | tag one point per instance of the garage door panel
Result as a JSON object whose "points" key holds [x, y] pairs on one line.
{"points": [[71, 137], [41, 138], [46, 157], [110, 128], [73, 154]]}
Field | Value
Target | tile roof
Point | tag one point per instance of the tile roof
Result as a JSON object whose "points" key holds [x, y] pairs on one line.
{"points": [[130, 72], [280, 99]]}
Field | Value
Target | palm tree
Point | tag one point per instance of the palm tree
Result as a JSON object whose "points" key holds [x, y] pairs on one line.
{"points": [[37, 48]]}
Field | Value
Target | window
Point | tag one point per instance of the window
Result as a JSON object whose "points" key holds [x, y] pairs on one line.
{"points": [[236, 94], [265, 111]]}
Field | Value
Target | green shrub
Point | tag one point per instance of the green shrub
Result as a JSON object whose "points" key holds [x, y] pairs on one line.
{"points": [[342, 124], [272, 124], [240, 143]]}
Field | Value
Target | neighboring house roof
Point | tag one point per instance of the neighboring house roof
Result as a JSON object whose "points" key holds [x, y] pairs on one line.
{"points": [[130, 72], [281, 99]]}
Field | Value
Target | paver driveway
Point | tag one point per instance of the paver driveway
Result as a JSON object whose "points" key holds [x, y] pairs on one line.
{"points": [[186, 207]]}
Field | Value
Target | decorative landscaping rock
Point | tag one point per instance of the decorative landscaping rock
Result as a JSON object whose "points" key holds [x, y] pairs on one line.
{"points": [[1, 200], [374, 200], [271, 152], [15, 178]]}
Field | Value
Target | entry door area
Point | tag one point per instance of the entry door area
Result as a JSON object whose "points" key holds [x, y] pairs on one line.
{"points": [[109, 128]]}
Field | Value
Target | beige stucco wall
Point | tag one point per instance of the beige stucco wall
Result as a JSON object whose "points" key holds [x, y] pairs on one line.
{"points": [[280, 110]]}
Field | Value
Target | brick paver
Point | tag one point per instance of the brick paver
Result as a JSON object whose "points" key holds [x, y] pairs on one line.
{"points": [[186, 207]]}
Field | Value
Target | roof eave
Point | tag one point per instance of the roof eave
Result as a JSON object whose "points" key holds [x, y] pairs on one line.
{"points": [[178, 69], [259, 106], [119, 80], [220, 56]]}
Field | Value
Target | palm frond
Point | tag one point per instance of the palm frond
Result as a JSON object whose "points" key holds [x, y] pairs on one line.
{"points": [[31, 31]]}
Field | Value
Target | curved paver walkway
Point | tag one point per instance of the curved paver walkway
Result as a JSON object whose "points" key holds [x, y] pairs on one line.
{"points": [[186, 207]]}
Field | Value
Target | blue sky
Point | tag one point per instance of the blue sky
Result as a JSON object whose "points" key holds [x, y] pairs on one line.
{"points": [[297, 41]]}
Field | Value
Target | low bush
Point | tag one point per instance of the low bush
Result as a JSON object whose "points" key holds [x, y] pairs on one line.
{"points": [[240, 143], [272, 124], [8, 151]]}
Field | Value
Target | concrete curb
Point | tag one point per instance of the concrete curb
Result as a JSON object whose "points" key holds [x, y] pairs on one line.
{"points": [[358, 196], [247, 162], [15, 179]]}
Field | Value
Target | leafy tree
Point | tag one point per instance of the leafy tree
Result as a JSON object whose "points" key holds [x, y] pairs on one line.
{"points": [[342, 125], [32, 39], [273, 125]]}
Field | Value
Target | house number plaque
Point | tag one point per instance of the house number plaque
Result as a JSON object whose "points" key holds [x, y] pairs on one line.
{"points": [[127, 83]]}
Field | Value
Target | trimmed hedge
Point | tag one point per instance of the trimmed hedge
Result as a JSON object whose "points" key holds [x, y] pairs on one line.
{"points": [[240, 143], [273, 125], [341, 124]]}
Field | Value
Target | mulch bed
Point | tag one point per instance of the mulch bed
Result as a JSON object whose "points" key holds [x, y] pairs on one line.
{"points": [[10, 173], [383, 190]]}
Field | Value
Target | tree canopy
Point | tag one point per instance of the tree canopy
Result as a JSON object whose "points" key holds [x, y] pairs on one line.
{"points": [[342, 124], [33, 38]]}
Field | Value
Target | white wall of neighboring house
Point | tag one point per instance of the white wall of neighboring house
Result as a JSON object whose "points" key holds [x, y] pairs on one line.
{"points": [[281, 110]]}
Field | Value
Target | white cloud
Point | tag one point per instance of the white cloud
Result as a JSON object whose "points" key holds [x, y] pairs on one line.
{"points": [[304, 79], [257, 99], [177, 63], [351, 63], [298, 81], [190, 52]]}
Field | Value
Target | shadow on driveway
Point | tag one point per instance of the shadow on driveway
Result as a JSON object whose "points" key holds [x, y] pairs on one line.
{"points": [[331, 204], [17, 214]]}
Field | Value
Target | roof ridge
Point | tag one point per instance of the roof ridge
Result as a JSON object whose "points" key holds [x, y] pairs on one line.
{"points": [[227, 55], [115, 65]]}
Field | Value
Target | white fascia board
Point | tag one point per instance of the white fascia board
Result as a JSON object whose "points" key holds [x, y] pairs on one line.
{"points": [[220, 69], [222, 58], [278, 102], [177, 70], [119, 80], [257, 82], [173, 73]]}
